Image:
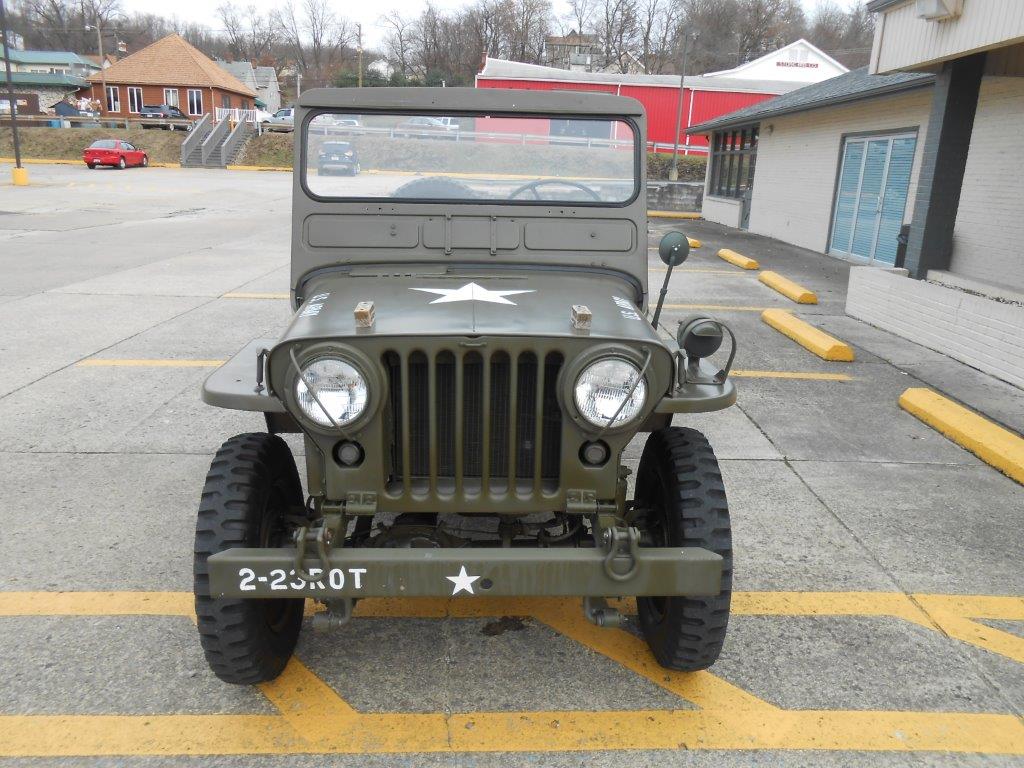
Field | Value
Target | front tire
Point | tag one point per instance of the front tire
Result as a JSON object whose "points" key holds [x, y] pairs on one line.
{"points": [[145, 161], [679, 486], [250, 488]]}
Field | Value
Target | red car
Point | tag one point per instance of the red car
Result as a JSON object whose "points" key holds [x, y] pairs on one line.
{"points": [[115, 153]]}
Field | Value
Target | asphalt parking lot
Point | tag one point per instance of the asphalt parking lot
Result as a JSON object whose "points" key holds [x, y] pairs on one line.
{"points": [[879, 618]]}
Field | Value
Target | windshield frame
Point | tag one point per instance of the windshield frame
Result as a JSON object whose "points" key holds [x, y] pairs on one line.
{"points": [[311, 113]]}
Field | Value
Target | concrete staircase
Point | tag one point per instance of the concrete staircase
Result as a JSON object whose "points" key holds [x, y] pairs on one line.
{"points": [[212, 145]]}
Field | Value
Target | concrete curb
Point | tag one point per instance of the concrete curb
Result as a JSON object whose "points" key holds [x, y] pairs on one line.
{"points": [[788, 288], [257, 168], [53, 161], [738, 259], [994, 445], [694, 242], [673, 215], [807, 336]]}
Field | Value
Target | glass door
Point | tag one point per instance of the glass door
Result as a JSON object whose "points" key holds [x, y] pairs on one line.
{"points": [[873, 183]]}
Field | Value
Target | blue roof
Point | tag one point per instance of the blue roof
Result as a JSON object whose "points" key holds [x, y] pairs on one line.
{"points": [[52, 79], [48, 57]]}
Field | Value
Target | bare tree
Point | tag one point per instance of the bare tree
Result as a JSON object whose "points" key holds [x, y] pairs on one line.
{"points": [[659, 25], [398, 45], [619, 30]]}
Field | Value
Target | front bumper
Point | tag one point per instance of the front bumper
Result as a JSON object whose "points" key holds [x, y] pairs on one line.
{"points": [[447, 572]]}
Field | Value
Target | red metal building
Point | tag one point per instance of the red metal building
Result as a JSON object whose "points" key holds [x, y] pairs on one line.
{"points": [[705, 97]]}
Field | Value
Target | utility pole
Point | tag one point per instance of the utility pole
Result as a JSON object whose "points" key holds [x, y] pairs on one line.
{"points": [[298, 82], [103, 70], [19, 175], [359, 50], [673, 172]]}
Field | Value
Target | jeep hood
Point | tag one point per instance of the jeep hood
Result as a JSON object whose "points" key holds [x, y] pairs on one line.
{"points": [[466, 303]]}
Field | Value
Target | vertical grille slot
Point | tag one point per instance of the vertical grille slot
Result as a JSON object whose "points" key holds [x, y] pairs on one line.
{"points": [[472, 423]]}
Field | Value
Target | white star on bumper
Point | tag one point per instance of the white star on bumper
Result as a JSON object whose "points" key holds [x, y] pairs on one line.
{"points": [[463, 582], [471, 292]]}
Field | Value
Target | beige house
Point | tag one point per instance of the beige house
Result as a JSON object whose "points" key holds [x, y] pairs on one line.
{"points": [[909, 169]]}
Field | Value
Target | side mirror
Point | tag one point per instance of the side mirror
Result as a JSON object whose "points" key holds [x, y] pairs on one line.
{"points": [[674, 248]]}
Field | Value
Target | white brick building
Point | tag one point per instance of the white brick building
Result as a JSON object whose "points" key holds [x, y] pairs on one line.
{"points": [[924, 138]]}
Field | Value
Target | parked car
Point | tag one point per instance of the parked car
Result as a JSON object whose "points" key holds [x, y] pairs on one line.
{"points": [[337, 157], [282, 120], [166, 113], [115, 153], [422, 126]]}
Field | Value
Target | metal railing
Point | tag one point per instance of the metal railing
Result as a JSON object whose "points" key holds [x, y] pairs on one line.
{"points": [[236, 115], [213, 140], [195, 138], [236, 137]]}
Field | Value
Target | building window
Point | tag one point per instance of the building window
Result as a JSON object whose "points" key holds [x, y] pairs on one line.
{"points": [[733, 156], [225, 101], [113, 98], [171, 97], [134, 100], [195, 101]]}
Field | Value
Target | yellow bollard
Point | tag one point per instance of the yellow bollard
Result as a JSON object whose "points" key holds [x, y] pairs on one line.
{"points": [[19, 177]]}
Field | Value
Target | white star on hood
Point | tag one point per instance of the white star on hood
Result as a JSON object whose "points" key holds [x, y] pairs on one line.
{"points": [[463, 582], [471, 292]]}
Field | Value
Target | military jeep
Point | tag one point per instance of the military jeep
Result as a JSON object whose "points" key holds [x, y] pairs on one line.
{"points": [[472, 348]]}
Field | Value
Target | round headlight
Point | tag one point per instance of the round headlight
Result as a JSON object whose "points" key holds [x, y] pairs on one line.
{"points": [[339, 387], [604, 389]]}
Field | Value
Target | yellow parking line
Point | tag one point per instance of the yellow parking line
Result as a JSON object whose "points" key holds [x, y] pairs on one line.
{"points": [[315, 719], [673, 215], [97, 362], [717, 307], [703, 270], [805, 375], [994, 445], [244, 295]]}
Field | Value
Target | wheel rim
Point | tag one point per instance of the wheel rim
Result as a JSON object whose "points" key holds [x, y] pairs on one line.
{"points": [[273, 533], [657, 529]]}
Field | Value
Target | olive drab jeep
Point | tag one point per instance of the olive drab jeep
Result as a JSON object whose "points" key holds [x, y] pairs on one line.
{"points": [[473, 345]]}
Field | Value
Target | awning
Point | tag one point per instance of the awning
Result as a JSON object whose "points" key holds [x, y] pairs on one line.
{"points": [[260, 103]]}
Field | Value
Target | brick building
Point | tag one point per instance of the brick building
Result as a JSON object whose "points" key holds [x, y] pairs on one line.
{"points": [[922, 138], [170, 71]]}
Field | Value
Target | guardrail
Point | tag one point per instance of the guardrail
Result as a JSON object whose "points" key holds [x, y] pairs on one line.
{"points": [[57, 121], [504, 137]]}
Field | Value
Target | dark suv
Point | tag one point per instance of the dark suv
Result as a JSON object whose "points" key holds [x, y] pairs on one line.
{"points": [[168, 115], [337, 157]]}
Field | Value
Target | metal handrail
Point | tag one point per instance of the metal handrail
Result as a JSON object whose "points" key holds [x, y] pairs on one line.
{"points": [[213, 140], [233, 140], [199, 131]]}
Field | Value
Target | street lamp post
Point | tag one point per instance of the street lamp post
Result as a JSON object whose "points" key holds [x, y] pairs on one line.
{"points": [[19, 175], [673, 172]]}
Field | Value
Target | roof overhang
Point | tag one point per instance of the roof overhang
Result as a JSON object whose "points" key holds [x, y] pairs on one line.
{"points": [[881, 5], [454, 100], [744, 120]]}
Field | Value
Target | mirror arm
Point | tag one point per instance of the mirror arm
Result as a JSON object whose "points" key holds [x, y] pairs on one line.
{"points": [[661, 298]]}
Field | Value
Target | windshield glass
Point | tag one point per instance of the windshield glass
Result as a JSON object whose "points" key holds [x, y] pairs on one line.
{"points": [[103, 144], [490, 158]]}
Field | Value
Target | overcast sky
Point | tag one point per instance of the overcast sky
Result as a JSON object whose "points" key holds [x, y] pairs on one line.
{"points": [[367, 13]]}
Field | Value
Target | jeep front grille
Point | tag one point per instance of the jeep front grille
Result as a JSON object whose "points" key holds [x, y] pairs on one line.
{"points": [[467, 423]]}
